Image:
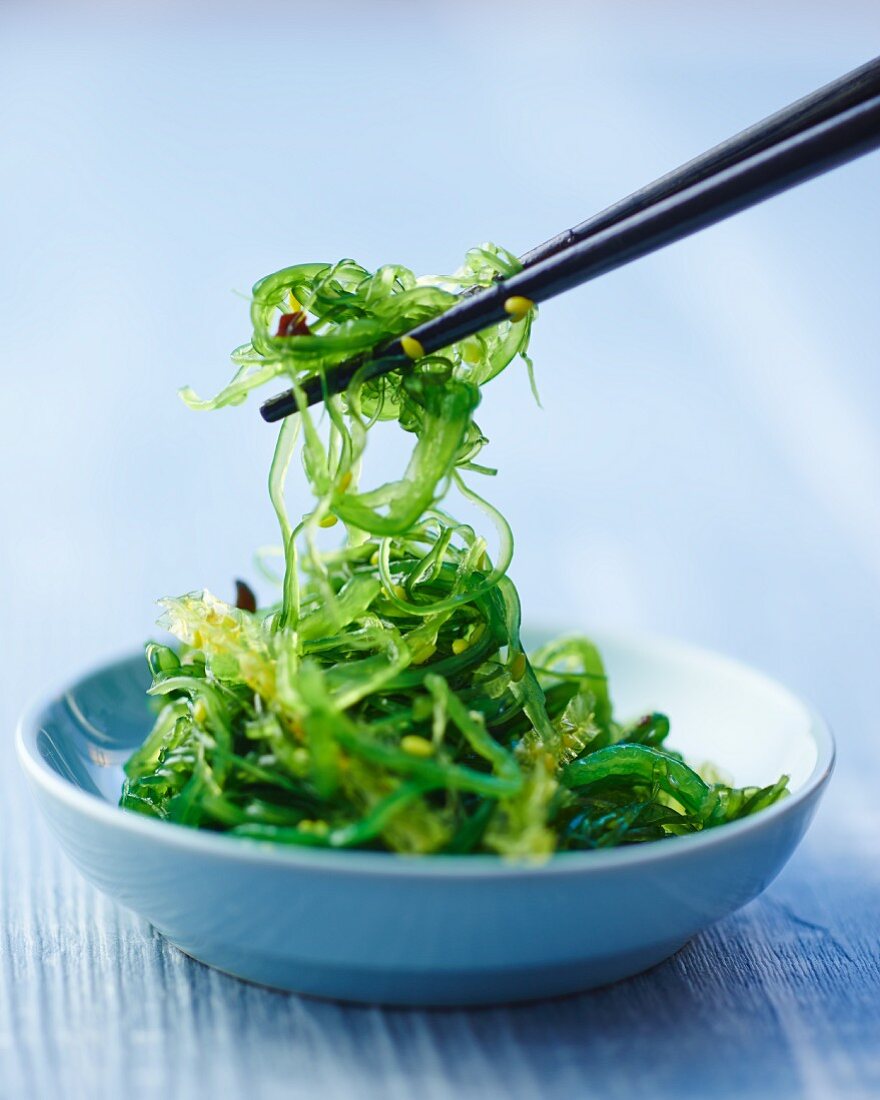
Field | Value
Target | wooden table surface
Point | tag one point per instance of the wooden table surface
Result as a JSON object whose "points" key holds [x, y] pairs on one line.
{"points": [[779, 1000], [707, 465]]}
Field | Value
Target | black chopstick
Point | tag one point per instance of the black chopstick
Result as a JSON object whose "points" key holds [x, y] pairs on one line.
{"points": [[819, 106], [846, 134]]}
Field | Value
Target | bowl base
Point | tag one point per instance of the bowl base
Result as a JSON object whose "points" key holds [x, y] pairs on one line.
{"points": [[433, 988]]}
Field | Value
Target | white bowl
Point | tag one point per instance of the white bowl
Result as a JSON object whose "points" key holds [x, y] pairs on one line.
{"points": [[376, 927]]}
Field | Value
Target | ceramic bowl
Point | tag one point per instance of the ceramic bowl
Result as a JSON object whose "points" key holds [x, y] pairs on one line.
{"points": [[438, 930]]}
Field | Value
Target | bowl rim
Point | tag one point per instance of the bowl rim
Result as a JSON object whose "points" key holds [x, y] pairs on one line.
{"points": [[246, 849]]}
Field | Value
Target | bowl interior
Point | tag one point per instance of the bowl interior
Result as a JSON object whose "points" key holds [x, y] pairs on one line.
{"points": [[721, 711], [87, 732]]}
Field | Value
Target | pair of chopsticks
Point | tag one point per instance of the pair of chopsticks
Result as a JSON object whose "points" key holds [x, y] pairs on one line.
{"points": [[830, 127]]}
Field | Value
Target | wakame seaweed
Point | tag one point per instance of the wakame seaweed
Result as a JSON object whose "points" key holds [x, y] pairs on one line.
{"points": [[386, 701]]}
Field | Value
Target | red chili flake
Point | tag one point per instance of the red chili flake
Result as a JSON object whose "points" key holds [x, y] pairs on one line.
{"points": [[293, 324], [245, 600]]}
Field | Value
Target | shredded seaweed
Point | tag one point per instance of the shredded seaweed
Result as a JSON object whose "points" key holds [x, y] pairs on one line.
{"points": [[386, 701]]}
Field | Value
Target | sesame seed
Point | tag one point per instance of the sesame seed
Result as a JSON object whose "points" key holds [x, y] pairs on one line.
{"points": [[412, 347], [518, 307], [416, 746]]}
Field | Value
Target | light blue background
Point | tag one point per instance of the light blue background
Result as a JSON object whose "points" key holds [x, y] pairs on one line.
{"points": [[707, 462]]}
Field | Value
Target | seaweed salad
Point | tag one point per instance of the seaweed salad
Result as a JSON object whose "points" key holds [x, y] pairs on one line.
{"points": [[386, 701]]}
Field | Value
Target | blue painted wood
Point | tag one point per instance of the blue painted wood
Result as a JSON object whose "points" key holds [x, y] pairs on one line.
{"points": [[717, 477]]}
